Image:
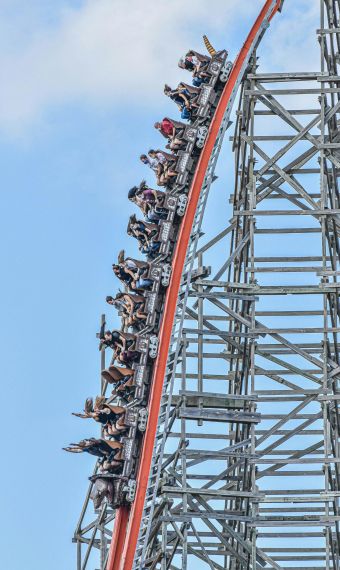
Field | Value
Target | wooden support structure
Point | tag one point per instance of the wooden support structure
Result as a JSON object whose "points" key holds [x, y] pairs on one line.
{"points": [[255, 480], [247, 473]]}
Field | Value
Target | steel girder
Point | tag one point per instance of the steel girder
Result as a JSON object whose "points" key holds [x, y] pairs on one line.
{"points": [[250, 475]]}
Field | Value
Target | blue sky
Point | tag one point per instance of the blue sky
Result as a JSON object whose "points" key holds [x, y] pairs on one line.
{"points": [[81, 89]]}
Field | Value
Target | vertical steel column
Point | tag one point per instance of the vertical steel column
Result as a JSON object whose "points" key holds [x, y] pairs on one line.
{"points": [[94, 530]]}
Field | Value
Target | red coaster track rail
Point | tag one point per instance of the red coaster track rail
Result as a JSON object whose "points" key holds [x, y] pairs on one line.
{"points": [[128, 520]]}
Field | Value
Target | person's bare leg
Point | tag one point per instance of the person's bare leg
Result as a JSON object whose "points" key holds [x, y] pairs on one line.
{"points": [[141, 315]]}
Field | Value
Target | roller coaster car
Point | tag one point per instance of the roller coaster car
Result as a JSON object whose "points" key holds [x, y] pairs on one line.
{"points": [[138, 347], [123, 380], [109, 487], [148, 236], [130, 490], [157, 274], [187, 159], [166, 236], [108, 484], [157, 237], [136, 419], [160, 274], [195, 136], [153, 275], [129, 453], [141, 379], [183, 167], [153, 306], [219, 69], [175, 205], [112, 417], [181, 164], [131, 308], [147, 345], [116, 489], [188, 135]]}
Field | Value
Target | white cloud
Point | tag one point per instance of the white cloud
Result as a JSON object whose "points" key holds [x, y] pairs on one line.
{"points": [[111, 52], [104, 52]]}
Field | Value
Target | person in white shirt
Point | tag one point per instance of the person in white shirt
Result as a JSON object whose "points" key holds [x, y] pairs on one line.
{"points": [[153, 164]]}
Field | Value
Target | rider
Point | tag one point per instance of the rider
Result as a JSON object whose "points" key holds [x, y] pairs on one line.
{"points": [[150, 163], [132, 272], [109, 452], [111, 417], [149, 201], [122, 380], [165, 163], [131, 306], [184, 99], [122, 344], [198, 65], [146, 234], [173, 131]]}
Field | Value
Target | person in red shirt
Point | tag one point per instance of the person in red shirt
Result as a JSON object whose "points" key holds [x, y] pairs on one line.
{"points": [[166, 127], [173, 131]]}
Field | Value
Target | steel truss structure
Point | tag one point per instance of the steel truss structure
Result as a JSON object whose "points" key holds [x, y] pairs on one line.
{"points": [[94, 530], [245, 467]]}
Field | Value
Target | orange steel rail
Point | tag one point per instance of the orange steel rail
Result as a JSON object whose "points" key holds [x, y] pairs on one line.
{"points": [[128, 520]]}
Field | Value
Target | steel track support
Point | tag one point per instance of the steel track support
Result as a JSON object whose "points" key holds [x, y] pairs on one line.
{"points": [[94, 530], [250, 465]]}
